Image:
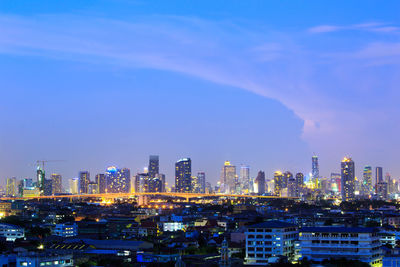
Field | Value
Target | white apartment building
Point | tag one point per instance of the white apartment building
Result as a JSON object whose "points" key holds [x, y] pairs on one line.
{"points": [[270, 239], [356, 243], [65, 230], [11, 232]]}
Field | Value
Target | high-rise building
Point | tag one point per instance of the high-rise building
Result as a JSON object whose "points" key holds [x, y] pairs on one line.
{"points": [[28, 183], [286, 176], [202, 181], [388, 180], [101, 183], [336, 182], [228, 178], [314, 167], [183, 175], [41, 176], [292, 186], [195, 184], [48, 187], [348, 179], [93, 188], [378, 176], [74, 186], [56, 183], [153, 166], [155, 183], [245, 178], [259, 183], [142, 182], [84, 179], [367, 187], [299, 183], [278, 183], [11, 187], [382, 190], [118, 180]]}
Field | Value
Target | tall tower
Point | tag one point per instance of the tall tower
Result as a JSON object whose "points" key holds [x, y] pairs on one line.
{"points": [[56, 183], [348, 179], [40, 175], [84, 179], [260, 182], [11, 187], [153, 166], [278, 183], [118, 181], [245, 178], [74, 186], [299, 183], [228, 178], [367, 187], [314, 168], [202, 181], [101, 182], [183, 175]]}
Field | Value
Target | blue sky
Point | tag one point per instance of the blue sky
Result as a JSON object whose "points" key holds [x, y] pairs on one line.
{"points": [[262, 83]]}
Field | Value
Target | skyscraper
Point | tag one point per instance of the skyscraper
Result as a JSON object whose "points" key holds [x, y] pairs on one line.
{"points": [[202, 181], [101, 182], [40, 175], [74, 186], [278, 183], [314, 167], [259, 183], [378, 175], [292, 187], [11, 187], [299, 183], [286, 176], [245, 178], [118, 180], [228, 178], [56, 183], [367, 187], [336, 182], [348, 179], [84, 179], [153, 166], [183, 175]]}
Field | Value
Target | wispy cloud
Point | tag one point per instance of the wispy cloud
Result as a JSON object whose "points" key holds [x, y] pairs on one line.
{"points": [[280, 65], [370, 27]]}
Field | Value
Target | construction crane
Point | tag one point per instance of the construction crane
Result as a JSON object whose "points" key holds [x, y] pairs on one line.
{"points": [[38, 162]]}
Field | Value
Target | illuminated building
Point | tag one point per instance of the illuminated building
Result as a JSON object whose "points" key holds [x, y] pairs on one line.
{"points": [[156, 183], [56, 183], [84, 179], [183, 176], [389, 182], [348, 179], [142, 181], [270, 239], [48, 187], [228, 178], [314, 168], [195, 184], [278, 183], [259, 183], [28, 183], [336, 182], [93, 188], [378, 177], [367, 187], [202, 181], [286, 176], [299, 183], [382, 190], [245, 178], [153, 166], [11, 187], [40, 175], [292, 192], [118, 180], [101, 182], [74, 186]]}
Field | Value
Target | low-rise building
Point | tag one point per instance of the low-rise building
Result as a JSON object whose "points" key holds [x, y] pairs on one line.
{"points": [[270, 239], [358, 243], [11, 232], [45, 259], [65, 230]]}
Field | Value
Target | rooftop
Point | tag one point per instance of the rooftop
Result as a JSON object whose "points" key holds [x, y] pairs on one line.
{"points": [[272, 224], [329, 229]]}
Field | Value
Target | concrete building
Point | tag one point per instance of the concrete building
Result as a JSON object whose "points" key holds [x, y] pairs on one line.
{"points": [[11, 232], [357, 243], [65, 230], [270, 239]]}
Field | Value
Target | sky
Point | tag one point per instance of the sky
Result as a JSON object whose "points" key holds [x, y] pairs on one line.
{"points": [[259, 83]]}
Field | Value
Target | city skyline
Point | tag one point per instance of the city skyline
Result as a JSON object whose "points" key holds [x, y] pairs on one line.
{"points": [[280, 82]]}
